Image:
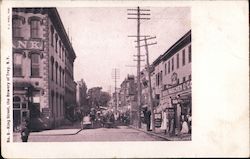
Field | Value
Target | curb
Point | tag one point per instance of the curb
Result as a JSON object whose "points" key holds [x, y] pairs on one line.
{"points": [[57, 134], [151, 133]]}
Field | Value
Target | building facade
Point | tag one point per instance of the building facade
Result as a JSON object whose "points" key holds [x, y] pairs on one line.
{"points": [[41, 49]]}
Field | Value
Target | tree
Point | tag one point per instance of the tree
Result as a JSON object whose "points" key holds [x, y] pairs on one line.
{"points": [[104, 99], [97, 97]]}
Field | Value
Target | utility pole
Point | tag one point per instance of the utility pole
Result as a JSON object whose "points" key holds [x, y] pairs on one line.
{"points": [[138, 12], [149, 79], [115, 76]]}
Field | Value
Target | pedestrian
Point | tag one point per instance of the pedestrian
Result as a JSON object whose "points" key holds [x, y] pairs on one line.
{"points": [[184, 129], [25, 131], [164, 121], [147, 118]]}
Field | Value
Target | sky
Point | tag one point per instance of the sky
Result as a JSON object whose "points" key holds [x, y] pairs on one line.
{"points": [[101, 43]]}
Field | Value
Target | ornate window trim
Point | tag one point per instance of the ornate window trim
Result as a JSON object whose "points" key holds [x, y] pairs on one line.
{"points": [[35, 18], [19, 17]]}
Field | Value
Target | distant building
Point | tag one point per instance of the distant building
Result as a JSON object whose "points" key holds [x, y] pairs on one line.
{"points": [[81, 96], [43, 60], [128, 93]]}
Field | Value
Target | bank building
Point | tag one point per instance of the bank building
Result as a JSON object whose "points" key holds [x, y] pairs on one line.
{"points": [[43, 64]]}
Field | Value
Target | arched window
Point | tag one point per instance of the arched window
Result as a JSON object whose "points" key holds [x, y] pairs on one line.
{"points": [[17, 64], [52, 68], [63, 77], [35, 66], [60, 46], [17, 22], [63, 53], [56, 70], [56, 36], [35, 23], [60, 79], [16, 102], [52, 35]]}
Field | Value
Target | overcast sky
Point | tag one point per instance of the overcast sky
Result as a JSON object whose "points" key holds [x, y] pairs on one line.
{"points": [[101, 43]]}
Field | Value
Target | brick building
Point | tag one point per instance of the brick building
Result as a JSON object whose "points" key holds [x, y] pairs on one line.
{"points": [[43, 60]]}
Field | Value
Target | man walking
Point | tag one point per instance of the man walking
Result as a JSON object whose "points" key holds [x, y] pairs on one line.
{"points": [[147, 118]]}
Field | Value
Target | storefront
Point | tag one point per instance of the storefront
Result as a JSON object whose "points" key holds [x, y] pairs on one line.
{"points": [[178, 102]]}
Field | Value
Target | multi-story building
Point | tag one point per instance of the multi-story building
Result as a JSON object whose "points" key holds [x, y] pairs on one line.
{"points": [[41, 49], [128, 93], [173, 78]]}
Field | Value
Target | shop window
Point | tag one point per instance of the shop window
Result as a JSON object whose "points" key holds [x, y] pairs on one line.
{"points": [[35, 70], [17, 64], [34, 28]]}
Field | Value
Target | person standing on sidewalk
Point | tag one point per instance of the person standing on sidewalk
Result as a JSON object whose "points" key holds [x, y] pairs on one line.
{"points": [[147, 118], [25, 131], [164, 121]]}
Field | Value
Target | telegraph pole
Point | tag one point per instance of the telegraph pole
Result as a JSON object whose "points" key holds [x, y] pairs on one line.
{"points": [[138, 13], [149, 80], [115, 76]]}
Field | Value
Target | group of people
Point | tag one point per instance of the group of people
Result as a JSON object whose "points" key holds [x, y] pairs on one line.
{"points": [[169, 124]]}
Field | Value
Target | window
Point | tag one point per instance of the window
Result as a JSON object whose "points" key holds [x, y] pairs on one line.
{"points": [[63, 54], [189, 54], [56, 42], [56, 111], [184, 79], [60, 46], [165, 68], [34, 28], [177, 61], [35, 65], [17, 68], [189, 77], [183, 57], [52, 35], [16, 102], [60, 71], [56, 71], [52, 102], [62, 77], [168, 66], [52, 68], [16, 30], [172, 64]]}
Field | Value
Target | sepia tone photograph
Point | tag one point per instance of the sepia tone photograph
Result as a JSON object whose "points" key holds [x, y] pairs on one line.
{"points": [[124, 79], [115, 74]]}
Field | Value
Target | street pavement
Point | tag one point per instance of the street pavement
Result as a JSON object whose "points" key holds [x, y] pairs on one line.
{"points": [[119, 133]]}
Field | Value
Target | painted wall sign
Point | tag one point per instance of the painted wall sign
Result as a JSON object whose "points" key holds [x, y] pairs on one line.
{"points": [[179, 88], [28, 44]]}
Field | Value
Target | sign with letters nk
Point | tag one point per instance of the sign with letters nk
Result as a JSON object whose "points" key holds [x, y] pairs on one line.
{"points": [[28, 44]]}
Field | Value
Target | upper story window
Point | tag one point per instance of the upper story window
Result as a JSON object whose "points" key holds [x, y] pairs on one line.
{"points": [[17, 23], [17, 64], [165, 68], [177, 61], [34, 29], [52, 68], [56, 41], [63, 53], [189, 54], [183, 57], [169, 66], [35, 23], [172, 64], [52, 35], [60, 48], [35, 70]]}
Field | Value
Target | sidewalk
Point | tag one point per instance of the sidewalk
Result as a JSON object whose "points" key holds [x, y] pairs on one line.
{"points": [[160, 133]]}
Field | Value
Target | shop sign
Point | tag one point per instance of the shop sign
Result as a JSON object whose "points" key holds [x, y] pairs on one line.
{"points": [[179, 88], [36, 99], [28, 44]]}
